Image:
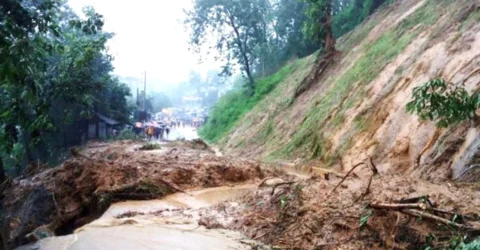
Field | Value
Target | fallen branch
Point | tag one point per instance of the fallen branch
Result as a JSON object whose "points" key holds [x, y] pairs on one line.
{"points": [[441, 211], [367, 191], [282, 184], [398, 206], [265, 180], [441, 220], [373, 167], [345, 177], [416, 200], [174, 188], [261, 236]]}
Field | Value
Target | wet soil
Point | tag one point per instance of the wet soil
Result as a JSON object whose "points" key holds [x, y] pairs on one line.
{"points": [[60, 200], [184, 196]]}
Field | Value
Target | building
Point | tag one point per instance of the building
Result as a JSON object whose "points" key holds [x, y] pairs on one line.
{"points": [[101, 127]]}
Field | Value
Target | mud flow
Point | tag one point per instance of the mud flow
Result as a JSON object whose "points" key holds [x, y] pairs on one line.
{"points": [[148, 231], [186, 196], [110, 196]]}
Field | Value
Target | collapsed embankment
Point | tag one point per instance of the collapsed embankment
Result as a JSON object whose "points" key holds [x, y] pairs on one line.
{"points": [[284, 208], [357, 109], [57, 201]]}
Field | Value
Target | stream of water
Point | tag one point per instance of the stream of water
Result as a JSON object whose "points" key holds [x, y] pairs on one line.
{"points": [[151, 232]]}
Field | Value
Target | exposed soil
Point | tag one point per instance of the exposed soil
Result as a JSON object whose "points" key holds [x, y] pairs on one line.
{"points": [[294, 212], [59, 200], [311, 209]]}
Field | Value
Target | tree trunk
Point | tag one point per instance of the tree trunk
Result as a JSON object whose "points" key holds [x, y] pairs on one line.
{"points": [[3, 177], [243, 51], [329, 39]]}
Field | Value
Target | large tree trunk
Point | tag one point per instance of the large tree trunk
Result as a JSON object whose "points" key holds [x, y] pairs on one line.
{"points": [[329, 46], [243, 51], [3, 177], [328, 55]]}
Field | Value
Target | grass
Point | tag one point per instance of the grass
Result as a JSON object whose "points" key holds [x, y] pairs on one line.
{"points": [[234, 105], [376, 56]]}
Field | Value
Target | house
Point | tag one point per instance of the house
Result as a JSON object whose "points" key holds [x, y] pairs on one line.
{"points": [[101, 127]]}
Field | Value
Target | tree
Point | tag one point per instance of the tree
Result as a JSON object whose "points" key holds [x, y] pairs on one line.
{"points": [[156, 102], [54, 66], [319, 25], [237, 25], [289, 21]]}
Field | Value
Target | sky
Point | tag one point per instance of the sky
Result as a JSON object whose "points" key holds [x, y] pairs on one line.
{"points": [[149, 36]]}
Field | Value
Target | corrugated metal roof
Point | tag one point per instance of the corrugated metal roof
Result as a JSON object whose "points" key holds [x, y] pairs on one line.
{"points": [[107, 120]]}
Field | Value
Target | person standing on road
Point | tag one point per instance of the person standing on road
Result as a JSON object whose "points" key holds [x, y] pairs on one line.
{"points": [[167, 130], [150, 132], [162, 128]]}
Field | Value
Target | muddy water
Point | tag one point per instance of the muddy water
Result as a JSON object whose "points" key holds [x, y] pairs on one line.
{"points": [[150, 232], [195, 200]]}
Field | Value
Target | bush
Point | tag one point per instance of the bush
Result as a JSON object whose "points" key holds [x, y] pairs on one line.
{"points": [[443, 102], [126, 134]]}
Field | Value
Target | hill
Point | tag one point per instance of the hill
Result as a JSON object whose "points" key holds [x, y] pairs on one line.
{"points": [[357, 109]]}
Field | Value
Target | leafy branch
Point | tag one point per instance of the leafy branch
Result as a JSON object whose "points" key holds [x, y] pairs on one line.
{"points": [[443, 102]]}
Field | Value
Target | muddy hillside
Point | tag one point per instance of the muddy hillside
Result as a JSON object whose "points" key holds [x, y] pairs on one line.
{"points": [[59, 200], [357, 108]]}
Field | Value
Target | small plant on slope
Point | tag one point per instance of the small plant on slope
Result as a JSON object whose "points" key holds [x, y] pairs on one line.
{"points": [[443, 102]]}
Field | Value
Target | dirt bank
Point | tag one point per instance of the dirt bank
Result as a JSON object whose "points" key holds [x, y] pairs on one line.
{"points": [[59, 200]]}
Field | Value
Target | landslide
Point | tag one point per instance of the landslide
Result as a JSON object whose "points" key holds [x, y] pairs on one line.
{"points": [[338, 211], [59, 200], [357, 108]]}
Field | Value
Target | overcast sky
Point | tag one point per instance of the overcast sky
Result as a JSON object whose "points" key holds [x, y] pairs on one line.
{"points": [[149, 35]]}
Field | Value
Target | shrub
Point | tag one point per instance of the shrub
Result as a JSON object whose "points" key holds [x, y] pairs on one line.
{"points": [[443, 102]]}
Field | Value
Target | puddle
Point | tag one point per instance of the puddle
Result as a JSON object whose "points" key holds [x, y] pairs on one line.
{"points": [[150, 232], [196, 199]]}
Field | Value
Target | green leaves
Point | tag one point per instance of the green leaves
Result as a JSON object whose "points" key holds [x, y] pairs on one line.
{"points": [[365, 216], [443, 102]]}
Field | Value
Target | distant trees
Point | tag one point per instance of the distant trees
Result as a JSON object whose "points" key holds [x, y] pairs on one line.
{"points": [[54, 71], [238, 26], [158, 101], [261, 35]]}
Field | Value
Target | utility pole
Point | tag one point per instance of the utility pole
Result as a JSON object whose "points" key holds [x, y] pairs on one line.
{"points": [[145, 93]]}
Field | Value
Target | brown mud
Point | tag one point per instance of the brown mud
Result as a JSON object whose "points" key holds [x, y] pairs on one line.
{"points": [[182, 195], [59, 200]]}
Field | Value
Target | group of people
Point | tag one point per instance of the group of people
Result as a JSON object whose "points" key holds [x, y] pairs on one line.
{"points": [[152, 130]]}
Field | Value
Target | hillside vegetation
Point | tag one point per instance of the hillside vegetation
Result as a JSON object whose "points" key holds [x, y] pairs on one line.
{"points": [[357, 109]]}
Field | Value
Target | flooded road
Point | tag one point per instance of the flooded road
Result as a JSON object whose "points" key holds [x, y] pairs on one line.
{"points": [[187, 133], [152, 232]]}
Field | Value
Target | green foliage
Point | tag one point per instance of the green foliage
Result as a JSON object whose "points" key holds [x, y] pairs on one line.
{"points": [[365, 216], [349, 14], [231, 107], [443, 102], [239, 26], [376, 55], [126, 134], [456, 242], [150, 146], [318, 13], [54, 71]]}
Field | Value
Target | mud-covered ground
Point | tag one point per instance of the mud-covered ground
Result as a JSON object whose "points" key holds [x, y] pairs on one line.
{"points": [[285, 209], [59, 200], [299, 212]]}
